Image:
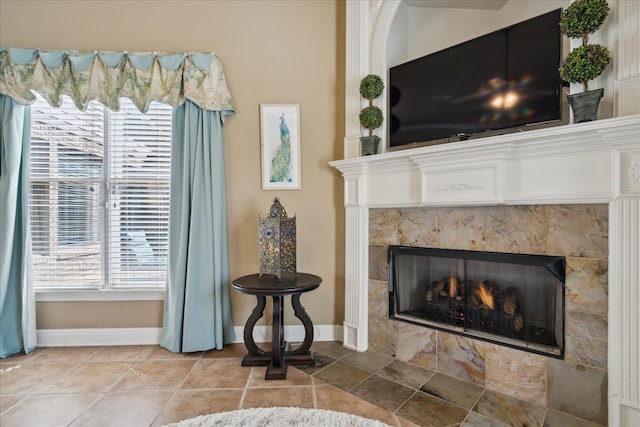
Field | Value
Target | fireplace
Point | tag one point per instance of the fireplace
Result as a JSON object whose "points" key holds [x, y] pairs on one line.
{"points": [[515, 300]]}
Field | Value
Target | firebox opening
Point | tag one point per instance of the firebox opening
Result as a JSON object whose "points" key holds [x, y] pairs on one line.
{"points": [[515, 300]]}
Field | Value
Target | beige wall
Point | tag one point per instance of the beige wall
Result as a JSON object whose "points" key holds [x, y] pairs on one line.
{"points": [[272, 52]]}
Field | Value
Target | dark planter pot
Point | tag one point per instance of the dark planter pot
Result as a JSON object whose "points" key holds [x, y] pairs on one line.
{"points": [[369, 144], [585, 105]]}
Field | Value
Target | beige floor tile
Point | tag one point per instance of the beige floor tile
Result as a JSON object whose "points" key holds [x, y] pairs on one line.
{"points": [[91, 377], [64, 354], [217, 373], [154, 375], [124, 352], [8, 400], [48, 409], [235, 350], [190, 403], [295, 377], [158, 352], [137, 408], [31, 377], [300, 397]]}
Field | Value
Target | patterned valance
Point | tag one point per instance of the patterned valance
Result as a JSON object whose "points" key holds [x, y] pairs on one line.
{"points": [[170, 78]]}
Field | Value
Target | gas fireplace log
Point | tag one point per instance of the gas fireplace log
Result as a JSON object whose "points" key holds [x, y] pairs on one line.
{"points": [[518, 322], [510, 301], [429, 295]]}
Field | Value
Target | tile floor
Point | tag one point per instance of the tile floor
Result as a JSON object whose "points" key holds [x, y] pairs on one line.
{"points": [[148, 385]]}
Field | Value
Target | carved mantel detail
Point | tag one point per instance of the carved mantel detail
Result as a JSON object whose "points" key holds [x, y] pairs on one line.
{"points": [[457, 186], [634, 172]]}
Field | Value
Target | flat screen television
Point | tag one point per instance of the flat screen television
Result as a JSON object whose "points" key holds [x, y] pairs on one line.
{"points": [[502, 80]]}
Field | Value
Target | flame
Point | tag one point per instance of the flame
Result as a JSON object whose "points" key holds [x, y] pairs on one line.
{"points": [[485, 295], [453, 286]]}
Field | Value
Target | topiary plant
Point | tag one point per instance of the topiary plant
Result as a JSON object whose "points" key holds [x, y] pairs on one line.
{"points": [[588, 61], [371, 117]]}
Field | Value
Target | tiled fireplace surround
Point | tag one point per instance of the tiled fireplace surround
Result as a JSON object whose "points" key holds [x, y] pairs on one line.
{"points": [[576, 385]]}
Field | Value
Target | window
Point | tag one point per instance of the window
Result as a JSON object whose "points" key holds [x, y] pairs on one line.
{"points": [[99, 203]]}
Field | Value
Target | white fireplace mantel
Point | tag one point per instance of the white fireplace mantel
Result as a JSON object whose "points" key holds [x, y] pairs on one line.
{"points": [[597, 162]]}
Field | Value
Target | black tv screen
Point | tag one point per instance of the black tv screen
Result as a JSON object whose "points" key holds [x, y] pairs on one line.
{"points": [[506, 79]]}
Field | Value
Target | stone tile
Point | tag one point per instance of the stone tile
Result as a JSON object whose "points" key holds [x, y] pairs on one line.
{"points": [[463, 228], [368, 360], [191, 403], [48, 409], [418, 227], [154, 375], [453, 390], [417, 345], [383, 226], [321, 362], [517, 229], [378, 298], [404, 373], [558, 419], [300, 397], [383, 392], [383, 335], [135, 408], [217, 373], [462, 358], [328, 397], [509, 410], [475, 419], [579, 230], [426, 410], [578, 390], [90, 377], [378, 264], [586, 338], [342, 375], [587, 285], [335, 350], [516, 373]]}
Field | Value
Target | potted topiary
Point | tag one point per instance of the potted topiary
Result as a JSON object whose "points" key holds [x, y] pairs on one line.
{"points": [[371, 118], [587, 61]]}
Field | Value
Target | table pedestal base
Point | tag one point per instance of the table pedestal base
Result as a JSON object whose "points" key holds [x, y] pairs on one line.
{"points": [[280, 356]]}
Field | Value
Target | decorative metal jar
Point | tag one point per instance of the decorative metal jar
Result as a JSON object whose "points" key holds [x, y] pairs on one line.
{"points": [[277, 241]]}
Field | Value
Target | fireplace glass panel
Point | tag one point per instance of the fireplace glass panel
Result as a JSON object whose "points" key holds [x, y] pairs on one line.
{"points": [[511, 299]]}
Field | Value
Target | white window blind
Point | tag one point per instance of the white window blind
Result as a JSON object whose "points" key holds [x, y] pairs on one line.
{"points": [[99, 202]]}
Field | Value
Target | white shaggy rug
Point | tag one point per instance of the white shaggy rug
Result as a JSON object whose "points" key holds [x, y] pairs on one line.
{"points": [[280, 417]]}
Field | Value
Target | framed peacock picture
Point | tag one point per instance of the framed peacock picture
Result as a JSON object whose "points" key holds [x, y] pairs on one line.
{"points": [[280, 146]]}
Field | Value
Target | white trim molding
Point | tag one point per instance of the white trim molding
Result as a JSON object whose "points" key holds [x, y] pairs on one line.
{"points": [[152, 336]]}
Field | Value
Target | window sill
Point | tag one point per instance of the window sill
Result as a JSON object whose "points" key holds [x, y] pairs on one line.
{"points": [[99, 295]]}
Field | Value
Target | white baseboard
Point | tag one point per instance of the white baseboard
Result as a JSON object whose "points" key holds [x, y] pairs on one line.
{"points": [[152, 336]]}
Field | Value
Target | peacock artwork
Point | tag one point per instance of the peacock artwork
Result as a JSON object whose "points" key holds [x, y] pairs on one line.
{"points": [[280, 140], [281, 161]]}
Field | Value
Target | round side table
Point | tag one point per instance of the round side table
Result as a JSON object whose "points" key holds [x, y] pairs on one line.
{"points": [[268, 285]]}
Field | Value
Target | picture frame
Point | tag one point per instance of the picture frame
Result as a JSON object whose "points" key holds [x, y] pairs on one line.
{"points": [[280, 146]]}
